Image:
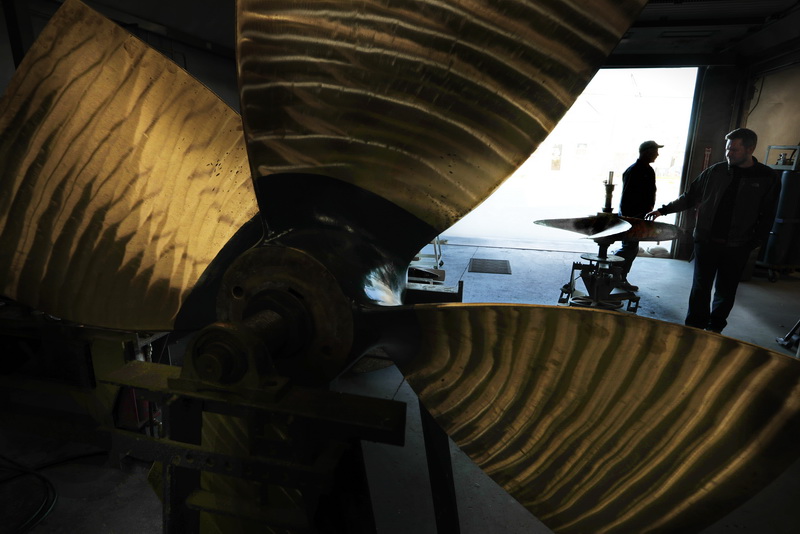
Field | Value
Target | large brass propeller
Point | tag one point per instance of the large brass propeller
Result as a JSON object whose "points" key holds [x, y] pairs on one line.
{"points": [[371, 126]]}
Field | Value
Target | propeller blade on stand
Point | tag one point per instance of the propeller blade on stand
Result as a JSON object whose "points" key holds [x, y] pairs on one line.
{"points": [[642, 230], [596, 226], [608, 225]]}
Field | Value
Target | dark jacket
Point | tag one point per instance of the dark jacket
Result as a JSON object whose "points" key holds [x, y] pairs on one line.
{"points": [[638, 190], [754, 209]]}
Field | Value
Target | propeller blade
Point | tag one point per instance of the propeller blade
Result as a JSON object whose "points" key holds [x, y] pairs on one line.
{"points": [[428, 104], [642, 230], [606, 225], [605, 422], [596, 226], [123, 177]]}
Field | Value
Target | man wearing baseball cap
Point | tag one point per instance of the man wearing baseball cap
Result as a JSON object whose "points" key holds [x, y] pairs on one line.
{"points": [[638, 198]]}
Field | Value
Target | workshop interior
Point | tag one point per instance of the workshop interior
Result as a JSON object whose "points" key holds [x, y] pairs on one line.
{"points": [[227, 305]]}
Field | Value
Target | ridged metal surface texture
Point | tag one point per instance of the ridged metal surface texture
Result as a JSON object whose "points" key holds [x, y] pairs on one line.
{"points": [[428, 103], [606, 422], [642, 230], [122, 177]]}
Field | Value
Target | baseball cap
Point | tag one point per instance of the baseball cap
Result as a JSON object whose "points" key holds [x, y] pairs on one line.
{"points": [[647, 145]]}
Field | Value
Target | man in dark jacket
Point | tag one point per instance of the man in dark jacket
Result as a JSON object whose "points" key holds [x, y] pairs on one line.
{"points": [[638, 198], [736, 203]]}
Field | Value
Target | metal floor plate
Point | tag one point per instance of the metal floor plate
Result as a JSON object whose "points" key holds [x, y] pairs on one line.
{"points": [[479, 265]]}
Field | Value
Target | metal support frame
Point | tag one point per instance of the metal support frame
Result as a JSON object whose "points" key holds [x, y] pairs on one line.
{"points": [[599, 277], [791, 339], [440, 471], [426, 268], [183, 423], [324, 462]]}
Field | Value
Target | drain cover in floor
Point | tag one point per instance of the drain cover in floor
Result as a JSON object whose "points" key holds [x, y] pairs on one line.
{"points": [[478, 265]]}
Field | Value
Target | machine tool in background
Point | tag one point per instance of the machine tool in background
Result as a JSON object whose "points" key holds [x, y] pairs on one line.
{"points": [[427, 277], [782, 251], [603, 274]]}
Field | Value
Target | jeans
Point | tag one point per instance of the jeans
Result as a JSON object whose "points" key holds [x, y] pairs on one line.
{"points": [[726, 264], [628, 251]]}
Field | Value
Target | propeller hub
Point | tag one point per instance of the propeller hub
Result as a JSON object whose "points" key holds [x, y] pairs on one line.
{"points": [[219, 361], [228, 354], [294, 306]]}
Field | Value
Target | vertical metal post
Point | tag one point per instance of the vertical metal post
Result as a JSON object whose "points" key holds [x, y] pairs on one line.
{"points": [[440, 470], [609, 193], [183, 422], [20, 29], [348, 507]]}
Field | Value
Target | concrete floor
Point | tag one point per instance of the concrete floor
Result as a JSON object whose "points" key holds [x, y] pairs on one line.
{"points": [[98, 499]]}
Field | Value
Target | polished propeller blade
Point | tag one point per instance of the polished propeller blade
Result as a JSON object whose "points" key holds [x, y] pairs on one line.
{"points": [[607, 225], [123, 177], [596, 226], [642, 230], [604, 422], [426, 103]]}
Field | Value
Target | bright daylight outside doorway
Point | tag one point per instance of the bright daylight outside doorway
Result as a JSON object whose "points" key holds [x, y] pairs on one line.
{"points": [[602, 131]]}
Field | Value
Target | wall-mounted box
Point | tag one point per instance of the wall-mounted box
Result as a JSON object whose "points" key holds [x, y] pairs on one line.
{"points": [[782, 157]]}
